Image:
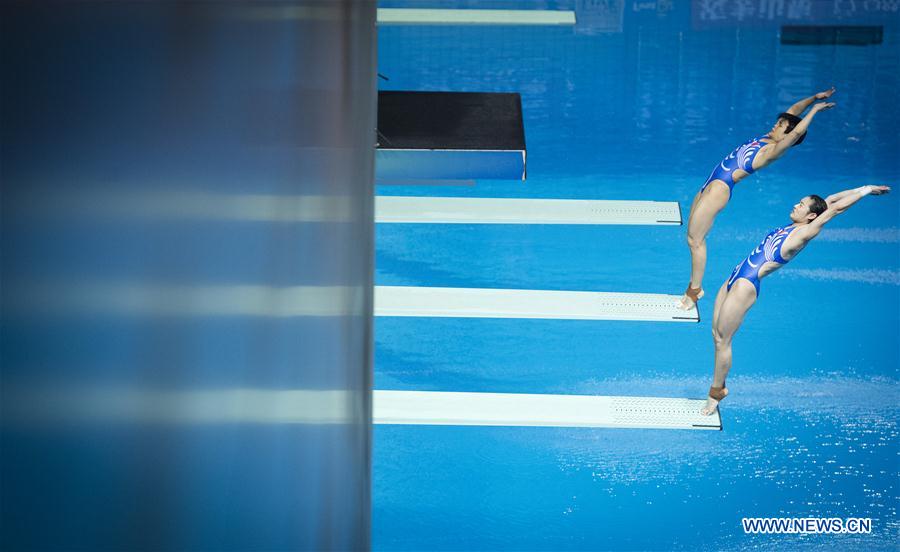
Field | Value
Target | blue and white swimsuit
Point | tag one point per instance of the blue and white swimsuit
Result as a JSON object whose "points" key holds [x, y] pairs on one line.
{"points": [[741, 158], [767, 251]]}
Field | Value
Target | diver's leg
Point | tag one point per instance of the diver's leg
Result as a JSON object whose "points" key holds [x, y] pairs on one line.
{"points": [[720, 299], [726, 320], [706, 206]]}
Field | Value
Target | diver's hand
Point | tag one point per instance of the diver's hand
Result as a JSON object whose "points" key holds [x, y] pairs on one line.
{"points": [[822, 106], [826, 94], [879, 190]]}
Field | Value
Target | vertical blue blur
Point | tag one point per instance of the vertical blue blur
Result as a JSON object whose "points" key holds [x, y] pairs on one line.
{"points": [[186, 275]]}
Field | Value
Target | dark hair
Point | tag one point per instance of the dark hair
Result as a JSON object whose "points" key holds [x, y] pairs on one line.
{"points": [[792, 121], [817, 205]]}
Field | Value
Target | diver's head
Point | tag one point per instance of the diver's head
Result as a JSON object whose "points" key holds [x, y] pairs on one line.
{"points": [[785, 124], [807, 209]]}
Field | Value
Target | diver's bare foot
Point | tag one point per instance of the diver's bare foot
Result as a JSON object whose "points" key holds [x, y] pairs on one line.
{"points": [[716, 394], [711, 406], [690, 297]]}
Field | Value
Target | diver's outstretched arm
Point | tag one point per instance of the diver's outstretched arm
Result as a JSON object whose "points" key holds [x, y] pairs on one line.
{"points": [[801, 106], [837, 204], [834, 198], [791, 137]]}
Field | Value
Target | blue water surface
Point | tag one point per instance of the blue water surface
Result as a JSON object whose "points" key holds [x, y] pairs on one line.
{"points": [[640, 101]]}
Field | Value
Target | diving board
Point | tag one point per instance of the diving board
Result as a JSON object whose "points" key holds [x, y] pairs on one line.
{"points": [[485, 210], [405, 16], [528, 303], [434, 135], [513, 409]]}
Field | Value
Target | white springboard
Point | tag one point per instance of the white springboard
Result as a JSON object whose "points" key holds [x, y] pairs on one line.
{"points": [[414, 16], [515, 409], [489, 210], [528, 303]]}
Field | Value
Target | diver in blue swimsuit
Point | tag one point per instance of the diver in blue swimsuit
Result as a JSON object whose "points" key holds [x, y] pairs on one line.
{"points": [[780, 245], [769, 251], [754, 154], [741, 158]]}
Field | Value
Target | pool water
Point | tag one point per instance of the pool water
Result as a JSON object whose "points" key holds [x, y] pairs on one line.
{"points": [[640, 101]]}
